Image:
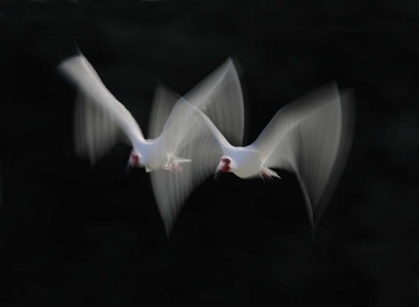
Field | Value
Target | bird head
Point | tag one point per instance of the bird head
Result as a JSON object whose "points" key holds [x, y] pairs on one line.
{"points": [[225, 166], [135, 160]]}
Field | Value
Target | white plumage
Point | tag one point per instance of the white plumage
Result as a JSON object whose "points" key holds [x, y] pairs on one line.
{"points": [[101, 121], [310, 138], [220, 96]]}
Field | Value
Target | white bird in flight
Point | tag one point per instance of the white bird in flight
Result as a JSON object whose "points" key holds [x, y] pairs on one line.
{"points": [[310, 138], [101, 122]]}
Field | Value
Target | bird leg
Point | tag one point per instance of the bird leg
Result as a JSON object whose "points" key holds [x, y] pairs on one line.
{"points": [[173, 163], [172, 167], [266, 173]]}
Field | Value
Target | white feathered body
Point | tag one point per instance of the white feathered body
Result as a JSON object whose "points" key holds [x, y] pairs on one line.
{"points": [[153, 153], [246, 161], [309, 137]]}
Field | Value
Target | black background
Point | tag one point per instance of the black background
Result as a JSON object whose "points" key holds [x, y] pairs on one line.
{"points": [[72, 234]]}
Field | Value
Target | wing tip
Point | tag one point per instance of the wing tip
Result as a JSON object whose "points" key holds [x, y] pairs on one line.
{"points": [[168, 231], [348, 105], [234, 62]]}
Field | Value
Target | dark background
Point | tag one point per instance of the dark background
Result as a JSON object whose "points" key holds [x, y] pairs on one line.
{"points": [[72, 234]]}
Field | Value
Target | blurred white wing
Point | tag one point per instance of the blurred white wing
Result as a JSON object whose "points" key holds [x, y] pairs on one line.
{"points": [[163, 104], [311, 138], [100, 119], [172, 189], [95, 132], [220, 97]]}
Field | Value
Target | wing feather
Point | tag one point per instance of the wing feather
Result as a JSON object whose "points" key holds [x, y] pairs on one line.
{"points": [[101, 120], [220, 97], [172, 190], [95, 133], [311, 138], [163, 104]]}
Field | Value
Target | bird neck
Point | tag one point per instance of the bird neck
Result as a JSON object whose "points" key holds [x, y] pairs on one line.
{"points": [[141, 145]]}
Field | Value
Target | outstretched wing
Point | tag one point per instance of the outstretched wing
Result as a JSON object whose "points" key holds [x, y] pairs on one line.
{"points": [[100, 119], [172, 189], [220, 96], [311, 138], [163, 104], [95, 131]]}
